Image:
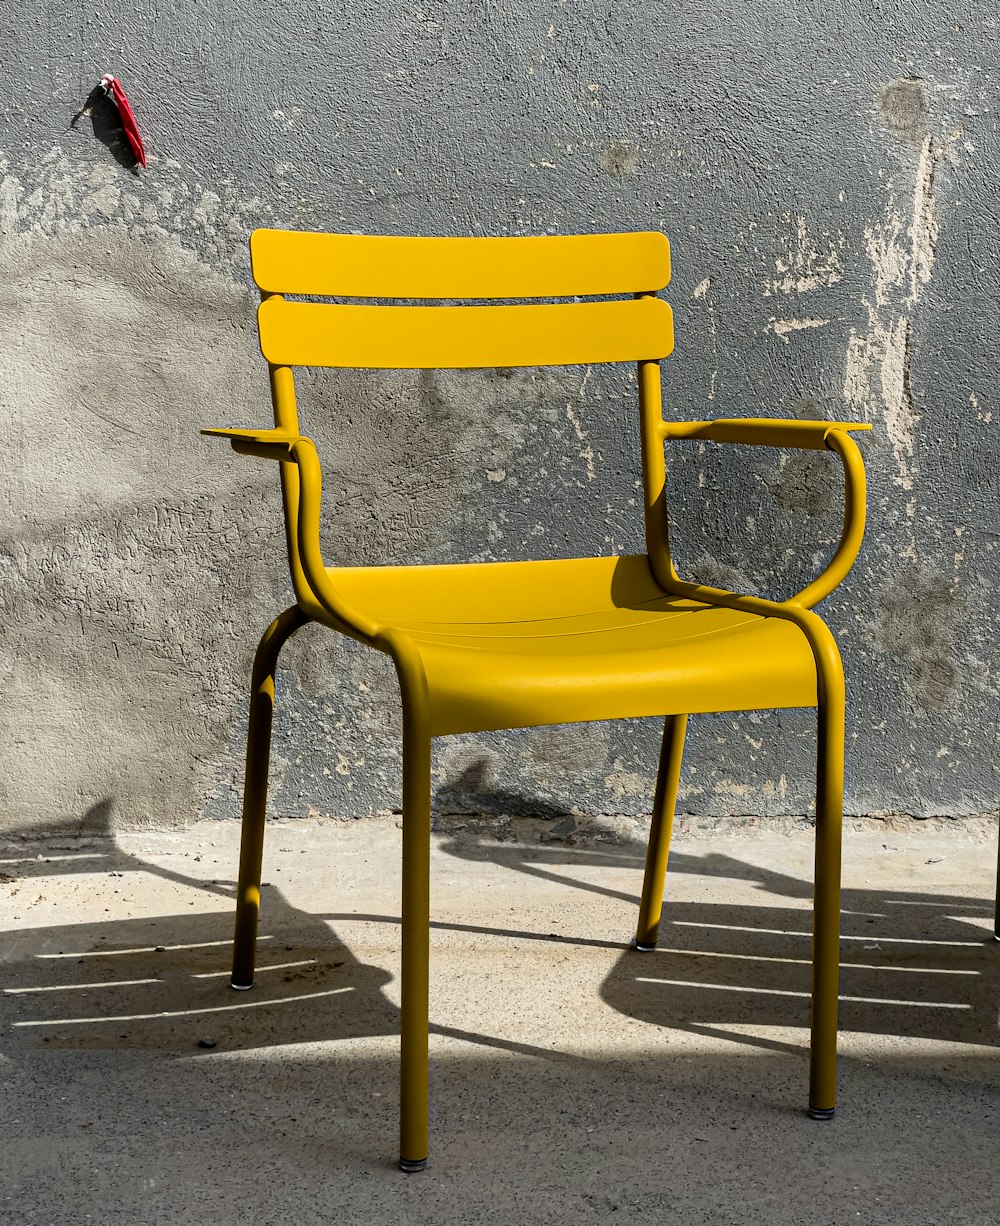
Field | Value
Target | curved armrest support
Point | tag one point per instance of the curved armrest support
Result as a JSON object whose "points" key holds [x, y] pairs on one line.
{"points": [[296, 449], [304, 454], [829, 672], [854, 522], [804, 435]]}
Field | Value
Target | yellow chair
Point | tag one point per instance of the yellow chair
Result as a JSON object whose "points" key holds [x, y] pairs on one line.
{"points": [[522, 644]]}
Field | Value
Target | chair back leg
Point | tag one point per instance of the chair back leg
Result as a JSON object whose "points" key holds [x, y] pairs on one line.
{"points": [[658, 850], [255, 791]]}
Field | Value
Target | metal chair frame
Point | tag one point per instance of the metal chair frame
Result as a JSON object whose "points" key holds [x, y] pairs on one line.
{"points": [[639, 329]]}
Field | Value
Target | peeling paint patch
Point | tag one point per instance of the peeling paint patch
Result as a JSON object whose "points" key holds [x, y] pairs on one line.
{"points": [[700, 294], [775, 791], [901, 250], [986, 416], [729, 787], [586, 451], [805, 264], [784, 327], [623, 783], [925, 227], [877, 378]]}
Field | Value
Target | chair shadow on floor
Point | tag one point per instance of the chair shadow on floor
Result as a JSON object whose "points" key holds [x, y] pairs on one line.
{"points": [[914, 964], [163, 983]]}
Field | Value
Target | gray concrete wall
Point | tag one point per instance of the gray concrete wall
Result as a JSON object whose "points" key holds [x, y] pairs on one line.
{"points": [[828, 176]]}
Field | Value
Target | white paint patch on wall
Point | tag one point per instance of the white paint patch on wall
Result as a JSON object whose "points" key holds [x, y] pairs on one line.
{"points": [[586, 450], [877, 366], [784, 327], [622, 782], [925, 225], [805, 263], [877, 380]]}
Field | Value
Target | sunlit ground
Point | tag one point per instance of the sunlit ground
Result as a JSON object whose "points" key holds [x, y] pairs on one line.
{"points": [[572, 1077]]}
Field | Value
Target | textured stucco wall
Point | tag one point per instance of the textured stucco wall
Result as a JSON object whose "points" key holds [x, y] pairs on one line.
{"points": [[828, 175]]}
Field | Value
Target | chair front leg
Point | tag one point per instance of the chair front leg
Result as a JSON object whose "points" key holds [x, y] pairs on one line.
{"points": [[255, 791], [658, 851], [414, 1015], [826, 901]]}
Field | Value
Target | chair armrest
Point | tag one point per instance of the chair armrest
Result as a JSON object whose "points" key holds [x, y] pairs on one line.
{"points": [[808, 435], [761, 431], [296, 449], [267, 444]]}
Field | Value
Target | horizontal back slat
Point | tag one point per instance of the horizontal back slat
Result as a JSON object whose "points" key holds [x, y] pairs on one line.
{"points": [[362, 266], [422, 337]]}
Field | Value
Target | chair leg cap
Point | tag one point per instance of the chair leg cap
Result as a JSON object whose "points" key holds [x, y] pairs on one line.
{"points": [[643, 949], [241, 987], [411, 1168], [822, 1113]]}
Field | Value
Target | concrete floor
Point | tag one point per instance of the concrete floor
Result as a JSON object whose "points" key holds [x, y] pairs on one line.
{"points": [[573, 1079]]}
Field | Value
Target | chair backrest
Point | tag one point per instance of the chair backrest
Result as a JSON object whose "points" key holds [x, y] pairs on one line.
{"points": [[621, 321], [476, 270]]}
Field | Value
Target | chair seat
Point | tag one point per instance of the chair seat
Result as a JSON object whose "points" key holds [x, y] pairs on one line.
{"points": [[552, 642]]}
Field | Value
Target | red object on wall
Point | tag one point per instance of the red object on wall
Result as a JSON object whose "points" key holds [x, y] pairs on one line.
{"points": [[114, 88]]}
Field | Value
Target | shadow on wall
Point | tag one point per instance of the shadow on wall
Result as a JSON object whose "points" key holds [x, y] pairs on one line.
{"points": [[472, 793], [107, 126]]}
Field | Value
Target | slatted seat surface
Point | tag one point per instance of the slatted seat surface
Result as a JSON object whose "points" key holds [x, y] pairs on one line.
{"points": [[520, 644]]}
